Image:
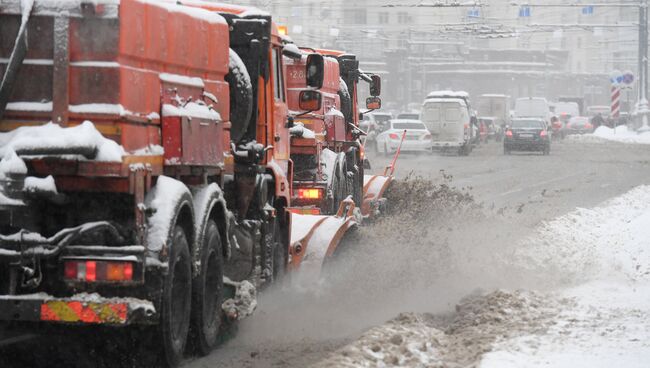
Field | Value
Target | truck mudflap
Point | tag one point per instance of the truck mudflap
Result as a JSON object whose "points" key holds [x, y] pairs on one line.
{"points": [[78, 309], [315, 238]]}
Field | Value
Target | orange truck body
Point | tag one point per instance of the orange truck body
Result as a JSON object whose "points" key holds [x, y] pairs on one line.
{"points": [[152, 77]]}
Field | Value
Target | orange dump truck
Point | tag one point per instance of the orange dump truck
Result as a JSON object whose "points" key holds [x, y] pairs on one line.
{"points": [[145, 169]]}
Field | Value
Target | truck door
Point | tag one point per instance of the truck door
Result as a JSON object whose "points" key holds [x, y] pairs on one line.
{"points": [[280, 110]]}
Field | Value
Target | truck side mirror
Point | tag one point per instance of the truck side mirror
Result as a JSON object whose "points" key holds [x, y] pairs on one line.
{"points": [[375, 85], [373, 103], [310, 100], [315, 71]]}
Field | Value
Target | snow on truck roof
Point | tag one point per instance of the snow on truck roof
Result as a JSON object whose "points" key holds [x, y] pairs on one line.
{"points": [[195, 8], [448, 94], [240, 10]]}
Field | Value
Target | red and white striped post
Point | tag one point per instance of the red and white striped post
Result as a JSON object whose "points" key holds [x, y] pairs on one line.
{"points": [[616, 101]]}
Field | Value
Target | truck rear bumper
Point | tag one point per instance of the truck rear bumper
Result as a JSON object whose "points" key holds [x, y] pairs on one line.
{"points": [[82, 309]]}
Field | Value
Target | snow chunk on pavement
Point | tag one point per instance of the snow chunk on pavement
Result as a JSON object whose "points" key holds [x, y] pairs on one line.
{"points": [[244, 303]]}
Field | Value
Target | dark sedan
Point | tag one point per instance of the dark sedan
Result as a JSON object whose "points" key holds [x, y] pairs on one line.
{"points": [[527, 134]]}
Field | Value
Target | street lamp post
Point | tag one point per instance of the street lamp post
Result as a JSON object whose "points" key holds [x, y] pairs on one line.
{"points": [[642, 104]]}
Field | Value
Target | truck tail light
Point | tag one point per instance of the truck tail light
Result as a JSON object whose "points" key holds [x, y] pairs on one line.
{"points": [[311, 193], [93, 271]]}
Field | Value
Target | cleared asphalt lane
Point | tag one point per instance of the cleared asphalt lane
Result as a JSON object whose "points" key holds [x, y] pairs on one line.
{"points": [[576, 174]]}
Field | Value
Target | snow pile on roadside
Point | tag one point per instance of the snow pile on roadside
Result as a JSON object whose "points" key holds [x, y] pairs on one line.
{"points": [[424, 340], [597, 316], [587, 244], [607, 249], [621, 134]]}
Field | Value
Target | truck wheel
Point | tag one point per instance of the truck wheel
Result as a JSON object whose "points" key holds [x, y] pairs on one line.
{"points": [[207, 293], [176, 301]]}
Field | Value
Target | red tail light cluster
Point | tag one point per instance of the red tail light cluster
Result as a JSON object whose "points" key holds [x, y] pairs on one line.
{"points": [[543, 133], [393, 136], [508, 133], [93, 271], [310, 193]]}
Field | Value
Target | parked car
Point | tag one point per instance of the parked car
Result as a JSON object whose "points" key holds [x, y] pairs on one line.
{"points": [[579, 125], [417, 139], [527, 134]]}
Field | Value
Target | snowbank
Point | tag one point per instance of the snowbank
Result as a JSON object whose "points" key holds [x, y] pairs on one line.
{"points": [[598, 316], [607, 248], [621, 134]]}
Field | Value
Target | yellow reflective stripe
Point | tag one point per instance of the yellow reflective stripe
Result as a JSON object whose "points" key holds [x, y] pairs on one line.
{"points": [[63, 311]]}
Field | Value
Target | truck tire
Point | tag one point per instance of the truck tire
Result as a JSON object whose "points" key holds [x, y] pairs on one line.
{"points": [[241, 97], [207, 293], [176, 302], [339, 185]]}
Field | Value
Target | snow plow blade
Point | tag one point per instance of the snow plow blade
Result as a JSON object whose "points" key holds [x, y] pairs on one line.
{"points": [[374, 187], [315, 238]]}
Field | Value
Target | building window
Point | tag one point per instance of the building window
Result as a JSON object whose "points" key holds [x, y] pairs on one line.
{"points": [[402, 17], [356, 16], [383, 18]]}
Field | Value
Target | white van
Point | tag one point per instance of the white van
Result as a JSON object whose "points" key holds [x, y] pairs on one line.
{"points": [[533, 107], [447, 116]]}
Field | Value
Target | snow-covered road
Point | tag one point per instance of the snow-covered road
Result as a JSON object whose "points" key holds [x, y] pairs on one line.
{"points": [[596, 314]]}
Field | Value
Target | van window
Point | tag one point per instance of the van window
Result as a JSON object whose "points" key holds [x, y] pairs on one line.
{"points": [[431, 113], [452, 114]]}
